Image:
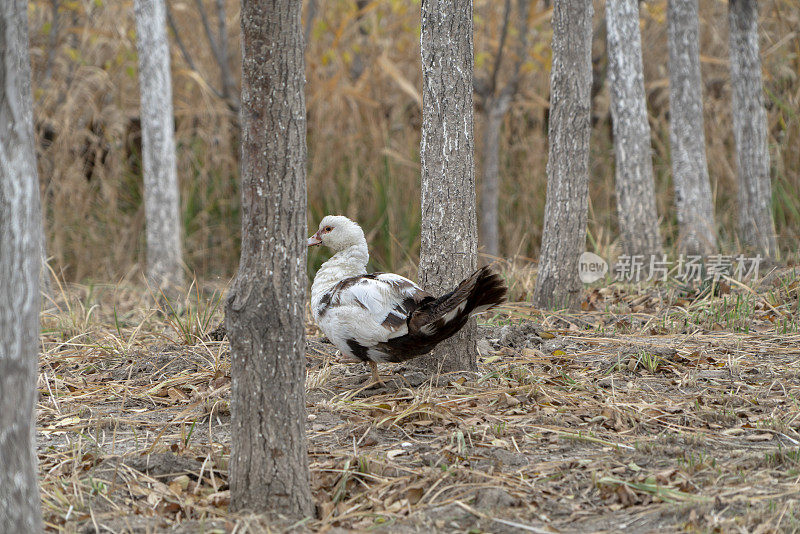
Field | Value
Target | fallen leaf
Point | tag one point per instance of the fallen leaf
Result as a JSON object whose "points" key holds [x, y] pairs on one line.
{"points": [[414, 494], [220, 498], [179, 484]]}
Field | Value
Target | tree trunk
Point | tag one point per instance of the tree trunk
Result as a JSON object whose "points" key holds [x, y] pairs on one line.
{"points": [[496, 102], [687, 139], [636, 201], [756, 226], [496, 109], [20, 265], [265, 313], [161, 200], [564, 234], [449, 228]]}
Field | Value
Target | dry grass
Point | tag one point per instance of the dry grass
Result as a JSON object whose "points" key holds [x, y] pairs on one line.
{"points": [[658, 408], [363, 130]]}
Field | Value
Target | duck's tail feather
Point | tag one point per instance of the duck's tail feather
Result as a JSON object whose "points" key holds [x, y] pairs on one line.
{"points": [[438, 319]]}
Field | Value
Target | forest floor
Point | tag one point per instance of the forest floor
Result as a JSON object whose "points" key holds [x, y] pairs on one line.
{"points": [[660, 408]]}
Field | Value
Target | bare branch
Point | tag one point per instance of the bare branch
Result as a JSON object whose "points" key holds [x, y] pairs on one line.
{"points": [[311, 13], [52, 43], [222, 30], [207, 28], [185, 53], [220, 52], [522, 50], [73, 65], [498, 59], [229, 90], [174, 27]]}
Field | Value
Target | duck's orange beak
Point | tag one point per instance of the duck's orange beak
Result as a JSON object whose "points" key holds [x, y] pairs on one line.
{"points": [[314, 240]]}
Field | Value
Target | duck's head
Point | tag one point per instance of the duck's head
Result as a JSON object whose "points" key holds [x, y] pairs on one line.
{"points": [[337, 232]]}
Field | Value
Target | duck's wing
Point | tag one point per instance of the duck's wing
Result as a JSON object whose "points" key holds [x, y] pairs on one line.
{"points": [[377, 305]]}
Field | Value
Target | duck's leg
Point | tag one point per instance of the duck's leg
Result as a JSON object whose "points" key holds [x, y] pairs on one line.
{"points": [[375, 376]]}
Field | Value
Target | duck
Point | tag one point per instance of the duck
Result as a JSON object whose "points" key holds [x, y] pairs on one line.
{"points": [[384, 317]]}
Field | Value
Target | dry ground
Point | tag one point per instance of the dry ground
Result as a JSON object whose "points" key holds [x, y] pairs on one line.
{"points": [[667, 408]]}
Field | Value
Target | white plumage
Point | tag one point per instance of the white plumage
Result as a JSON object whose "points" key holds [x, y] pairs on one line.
{"points": [[368, 311], [384, 317]]}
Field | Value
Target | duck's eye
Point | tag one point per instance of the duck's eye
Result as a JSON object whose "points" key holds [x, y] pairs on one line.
{"points": [[327, 229]]}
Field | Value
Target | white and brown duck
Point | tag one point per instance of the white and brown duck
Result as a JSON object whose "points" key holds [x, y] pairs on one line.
{"points": [[384, 317]]}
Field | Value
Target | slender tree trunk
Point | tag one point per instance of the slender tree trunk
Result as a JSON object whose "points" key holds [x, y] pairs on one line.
{"points": [[636, 200], [496, 102], [756, 225], [490, 185], [228, 81], [161, 200], [449, 228], [265, 314], [564, 235], [20, 265], [687, 139]]}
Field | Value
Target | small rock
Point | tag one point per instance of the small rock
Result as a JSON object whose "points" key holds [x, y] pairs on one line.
{"points": [[414, 378], [508, 400], [607, 382], [219, 333], [490, 498], [519, 336], [508, 459]]}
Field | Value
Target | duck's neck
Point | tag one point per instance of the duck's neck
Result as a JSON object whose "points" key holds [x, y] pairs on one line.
{"points": [[351, 261]]}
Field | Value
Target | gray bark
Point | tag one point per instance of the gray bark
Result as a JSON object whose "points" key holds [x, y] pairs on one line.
{"points": [[161, 200], [756, 225], [636, 201], [564, 233], [20, 264], [449, 228], [687, 139], [265, 313]]}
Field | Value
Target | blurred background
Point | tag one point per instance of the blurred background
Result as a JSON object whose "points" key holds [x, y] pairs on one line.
{"points": [[364, 119]]}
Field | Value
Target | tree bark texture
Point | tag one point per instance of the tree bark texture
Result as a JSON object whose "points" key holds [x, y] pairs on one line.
{"points": [[265, 314], [449, 228], [161, 200], [687, 138], [20, 264], [636, 200], [756, 225], [564, 233]]}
